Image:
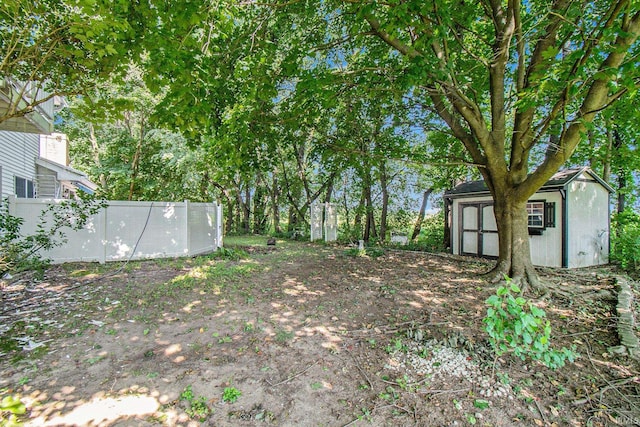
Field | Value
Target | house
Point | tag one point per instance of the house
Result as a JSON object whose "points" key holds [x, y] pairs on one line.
{"points": [[34, 161], [569, 220], [27, 171]]}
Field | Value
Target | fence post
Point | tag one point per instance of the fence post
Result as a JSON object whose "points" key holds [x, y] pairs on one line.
{"points": [[102, 234], [218, 227], [186, 226]]}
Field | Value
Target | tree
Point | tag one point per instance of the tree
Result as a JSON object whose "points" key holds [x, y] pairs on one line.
{"points": [[63, 48], [518, 83], [502, 76]]}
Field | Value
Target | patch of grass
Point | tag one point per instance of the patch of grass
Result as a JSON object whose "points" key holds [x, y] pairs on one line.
{"points": [[371, 252], [283, 336]]}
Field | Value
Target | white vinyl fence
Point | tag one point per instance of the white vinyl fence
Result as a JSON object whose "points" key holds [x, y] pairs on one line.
{"points": [[153, 229]]}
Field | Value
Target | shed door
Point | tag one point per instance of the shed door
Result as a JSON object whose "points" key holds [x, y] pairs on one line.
{"points": [[478, 230]]}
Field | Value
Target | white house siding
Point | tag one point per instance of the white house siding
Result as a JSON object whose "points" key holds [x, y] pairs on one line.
{"points": [[546, 250], [588, 225], [18, 152]]}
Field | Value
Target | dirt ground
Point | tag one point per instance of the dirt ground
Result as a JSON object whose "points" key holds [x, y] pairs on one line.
{"points": [[301, 335]]}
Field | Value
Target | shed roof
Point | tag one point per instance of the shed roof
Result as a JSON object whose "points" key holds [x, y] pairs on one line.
{"points": [[558, 180]]}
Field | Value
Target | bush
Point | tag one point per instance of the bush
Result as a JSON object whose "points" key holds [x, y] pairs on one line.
{"points": [[517, 326], [625, 241], [431, 237], [20, 252]]}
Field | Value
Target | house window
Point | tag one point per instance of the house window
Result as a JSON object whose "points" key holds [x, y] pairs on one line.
{"points": [[535, 212], [24, 188]]}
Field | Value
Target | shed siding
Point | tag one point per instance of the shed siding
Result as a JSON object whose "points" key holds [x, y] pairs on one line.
{"points": [[455, 218], [588, 223], [546, 250], [18, 152]]}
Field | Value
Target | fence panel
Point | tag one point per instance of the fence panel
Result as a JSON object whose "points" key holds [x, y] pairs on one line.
{"points": [[135, 230]]}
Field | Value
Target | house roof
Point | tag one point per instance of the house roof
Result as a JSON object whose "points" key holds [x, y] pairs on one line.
{"points": [[557, 181], [66, 173]]}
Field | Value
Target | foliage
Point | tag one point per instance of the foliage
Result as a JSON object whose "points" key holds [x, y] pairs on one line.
{"points": [[64, 47], [198, 408], [233, 254], [431, 237], [19, 252], [625, 241], [518, 326], [370, 251], [12, 406], [230, 394]]}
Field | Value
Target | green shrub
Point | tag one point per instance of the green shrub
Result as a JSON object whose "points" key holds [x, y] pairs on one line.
{"points": [[625, 241], [517, 326]]}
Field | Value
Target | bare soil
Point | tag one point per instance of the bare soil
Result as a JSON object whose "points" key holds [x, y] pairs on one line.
{"points": [[305, 335]]}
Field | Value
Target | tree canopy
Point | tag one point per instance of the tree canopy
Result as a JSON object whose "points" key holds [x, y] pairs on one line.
{"points": [[290, 96]]}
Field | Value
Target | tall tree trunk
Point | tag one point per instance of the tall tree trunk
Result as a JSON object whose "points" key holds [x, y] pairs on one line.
{"points": [[370, 224], [423, 208], [135, 164], [275, 203], [360, 210], [246, 217], [259, 209], [448, 218], [622, 178], [385, 201], [95, 148], [345, 202]]}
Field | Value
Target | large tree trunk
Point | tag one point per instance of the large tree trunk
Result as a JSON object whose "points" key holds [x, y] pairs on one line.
{"points": [[514, 254]]}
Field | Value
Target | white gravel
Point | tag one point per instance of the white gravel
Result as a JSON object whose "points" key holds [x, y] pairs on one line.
{"points": [[434, 362]]}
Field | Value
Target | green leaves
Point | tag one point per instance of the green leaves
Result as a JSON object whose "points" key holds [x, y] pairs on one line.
{"points": [[518, 326]]}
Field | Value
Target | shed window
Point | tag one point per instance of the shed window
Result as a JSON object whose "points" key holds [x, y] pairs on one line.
{"points": [[24, 188], [550, 214], [535, 211]]}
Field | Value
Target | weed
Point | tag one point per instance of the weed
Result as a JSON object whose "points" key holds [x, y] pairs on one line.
{"points": [[198, 408], [365, 414], [94, 360], [225, 339], [230, 394], [316, 385], [516, 325], [397, 345]]}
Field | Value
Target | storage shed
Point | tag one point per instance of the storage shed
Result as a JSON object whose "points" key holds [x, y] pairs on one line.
{"points": [[569, 220]]}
